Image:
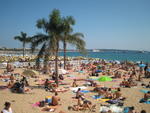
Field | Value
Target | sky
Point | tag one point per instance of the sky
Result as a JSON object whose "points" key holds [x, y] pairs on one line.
{"points": [[106, 24]]}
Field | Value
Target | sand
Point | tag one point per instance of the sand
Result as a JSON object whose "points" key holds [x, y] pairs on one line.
{"points": [[22, 103]]}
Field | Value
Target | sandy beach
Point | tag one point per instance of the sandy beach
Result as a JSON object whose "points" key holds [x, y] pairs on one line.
{"points": [[22, 103]]}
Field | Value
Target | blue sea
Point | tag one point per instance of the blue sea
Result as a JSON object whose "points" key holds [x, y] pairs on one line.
{"points": [[111, 55]]}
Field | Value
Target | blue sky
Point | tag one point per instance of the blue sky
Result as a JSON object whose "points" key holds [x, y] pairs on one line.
{"points": [[106, 24]]}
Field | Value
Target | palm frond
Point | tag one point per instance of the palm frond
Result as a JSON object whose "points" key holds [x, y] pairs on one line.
{"points": [[42, 24], [37, 40], [78, 34], [41, 53], [18, 38]]}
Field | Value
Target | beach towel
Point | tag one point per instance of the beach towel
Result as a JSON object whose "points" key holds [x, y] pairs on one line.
{"points": [[98, 71], [113, 108], [102, 100], [76, 88], [61, 90], [116, 109], [143, 101], [50, 108], [81, 71], [71, 76], [144, 91], [112, 101], [93, 78], [126, 110], [84, 91], [36, 104], [97, 97], [3, 87]]}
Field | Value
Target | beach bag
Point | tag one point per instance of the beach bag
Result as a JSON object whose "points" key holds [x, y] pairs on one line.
{"points": [[42, 104]]}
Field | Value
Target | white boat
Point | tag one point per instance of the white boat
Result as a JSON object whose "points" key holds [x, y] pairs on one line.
{"points": [[95, 50]]}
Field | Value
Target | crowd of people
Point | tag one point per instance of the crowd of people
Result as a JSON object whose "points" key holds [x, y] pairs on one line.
{"points": [[130, 74]]}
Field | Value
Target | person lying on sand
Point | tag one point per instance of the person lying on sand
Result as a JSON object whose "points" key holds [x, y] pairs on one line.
{"points": [[118, 95], [147, 96], [19, 87], [146, 86], [101, 92], [125, 83], [109, 93], [86, 104]]}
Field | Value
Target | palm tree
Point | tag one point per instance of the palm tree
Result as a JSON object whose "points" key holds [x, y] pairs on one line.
{"points": [[50, 40], [24, 39], [74, 39]]}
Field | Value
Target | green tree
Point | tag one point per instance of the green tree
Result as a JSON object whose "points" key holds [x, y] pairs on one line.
{"points": [[74, 39], [24, 39], [50, 40]]}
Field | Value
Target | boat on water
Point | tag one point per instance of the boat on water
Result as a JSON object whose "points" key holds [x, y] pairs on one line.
{"points": [[95, 50]]}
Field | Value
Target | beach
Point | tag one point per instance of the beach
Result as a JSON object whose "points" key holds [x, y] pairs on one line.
{"points": [[23, 103]]}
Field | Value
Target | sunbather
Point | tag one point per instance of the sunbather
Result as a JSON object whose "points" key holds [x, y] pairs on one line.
{"points": [[86, 105], [10, 84], [74, 84], [78, 93], [55, 100], [118, 95], [109, 93], [147, 96]]}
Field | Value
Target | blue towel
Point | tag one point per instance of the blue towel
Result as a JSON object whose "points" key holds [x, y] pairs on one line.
{"points": [[126, 110], [98, 71], [144, 91], [80, 71], [97, 97], [84, 91], [143, 101]]}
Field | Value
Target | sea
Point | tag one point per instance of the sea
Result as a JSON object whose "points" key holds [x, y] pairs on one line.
{"points": [[114, 55], [134, 56]]}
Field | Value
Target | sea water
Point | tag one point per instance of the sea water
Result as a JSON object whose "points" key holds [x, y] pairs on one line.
{"points": [[121, 56]]}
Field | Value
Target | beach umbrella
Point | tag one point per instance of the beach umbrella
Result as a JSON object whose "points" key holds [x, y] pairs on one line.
{"points": [[104, 79], [142, 65], [31, 73]]}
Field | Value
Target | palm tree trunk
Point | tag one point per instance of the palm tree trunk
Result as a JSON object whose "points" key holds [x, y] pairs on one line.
{"points": [[23, 49], [65, 45], [56, 63]]}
